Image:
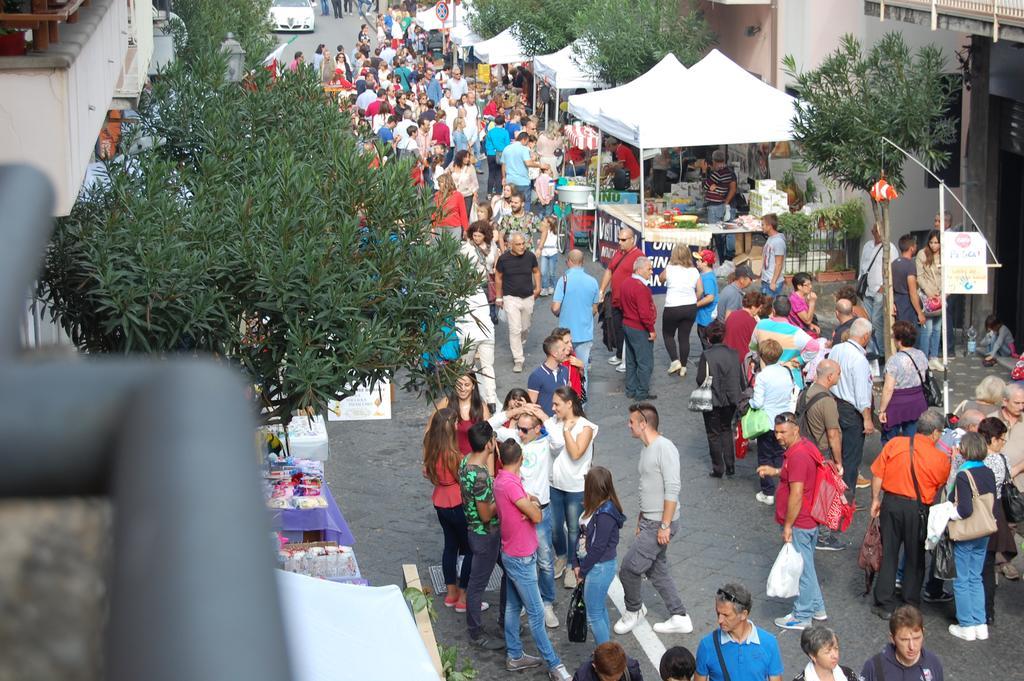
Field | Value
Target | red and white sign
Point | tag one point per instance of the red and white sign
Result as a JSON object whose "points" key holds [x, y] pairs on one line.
{"points": [[964, 258], [441, 10]]}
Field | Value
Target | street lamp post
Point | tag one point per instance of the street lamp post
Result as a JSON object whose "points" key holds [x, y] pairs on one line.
{"points": [[236, 58]]}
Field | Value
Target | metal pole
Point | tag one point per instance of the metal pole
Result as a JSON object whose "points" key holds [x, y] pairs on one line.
{"points": [[643, 221], [943, 269], [557, 99], [597, 197]]}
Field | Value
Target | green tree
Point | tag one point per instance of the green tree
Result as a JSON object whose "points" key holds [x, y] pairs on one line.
{"points": [[488, 18], [856, 97], [623, 40], [259, 232], [546, 26]]}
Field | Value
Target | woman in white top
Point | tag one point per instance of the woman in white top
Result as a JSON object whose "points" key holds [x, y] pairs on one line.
{"points": [[572, 437], [683, 289], [548, 252], [774, 392]]}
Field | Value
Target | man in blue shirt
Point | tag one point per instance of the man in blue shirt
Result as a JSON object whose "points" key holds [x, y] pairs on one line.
{"points": [[550, 375], [516, 161], [575, 302], [386, 133], [495, 142], [749, 652]]}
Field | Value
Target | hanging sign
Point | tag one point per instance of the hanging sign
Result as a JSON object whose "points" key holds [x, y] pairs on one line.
{"points": [[367, 404], [963, 256]]}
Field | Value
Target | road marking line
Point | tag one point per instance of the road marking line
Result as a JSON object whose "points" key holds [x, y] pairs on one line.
{"points": [[645, 636]]}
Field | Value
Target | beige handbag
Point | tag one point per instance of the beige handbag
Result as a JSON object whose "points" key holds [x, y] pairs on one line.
{"points": [[981, 522]]}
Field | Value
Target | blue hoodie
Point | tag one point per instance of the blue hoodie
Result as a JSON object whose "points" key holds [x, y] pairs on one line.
{"points": [[602, 537]]}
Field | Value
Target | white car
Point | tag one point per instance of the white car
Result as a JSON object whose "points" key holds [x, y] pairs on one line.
{"points": [[292, 15]]}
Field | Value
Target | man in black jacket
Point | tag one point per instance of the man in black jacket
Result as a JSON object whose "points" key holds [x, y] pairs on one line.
{"points": [[727, 384]]}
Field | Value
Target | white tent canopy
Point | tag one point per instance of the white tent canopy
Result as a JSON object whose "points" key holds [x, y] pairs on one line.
{"points": [[562, 70], [503, 48], [663, 78], [463, 36], [759, 112]]}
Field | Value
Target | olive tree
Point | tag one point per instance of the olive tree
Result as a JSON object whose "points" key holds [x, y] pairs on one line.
{"points": [[856, 97]]}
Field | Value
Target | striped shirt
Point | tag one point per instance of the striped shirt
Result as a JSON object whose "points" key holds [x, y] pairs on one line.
{"points": [[796, 343], [721, 178]]}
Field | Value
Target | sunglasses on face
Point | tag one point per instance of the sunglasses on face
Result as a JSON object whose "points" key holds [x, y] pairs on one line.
{"points": [[524, 430]]}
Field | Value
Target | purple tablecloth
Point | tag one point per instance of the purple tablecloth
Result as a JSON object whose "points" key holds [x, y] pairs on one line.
{"points": [[328, 520]]}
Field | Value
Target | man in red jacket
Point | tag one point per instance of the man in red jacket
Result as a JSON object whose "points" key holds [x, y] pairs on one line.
{"points": [[638, 317]]}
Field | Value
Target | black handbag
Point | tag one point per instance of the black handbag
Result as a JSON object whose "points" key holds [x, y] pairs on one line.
{"points": [[862, 280], [932, 393], [1013, 498], [576, 620], [945, 565]]}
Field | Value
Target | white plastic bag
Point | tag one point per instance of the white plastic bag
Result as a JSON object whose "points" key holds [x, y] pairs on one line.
{"points": [[784, 579]]}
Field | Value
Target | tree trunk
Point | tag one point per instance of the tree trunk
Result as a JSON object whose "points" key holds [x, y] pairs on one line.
{"points": [[887, 343]]}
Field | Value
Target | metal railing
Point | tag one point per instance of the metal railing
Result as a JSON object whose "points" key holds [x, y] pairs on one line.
{"points": [[996, 11]]}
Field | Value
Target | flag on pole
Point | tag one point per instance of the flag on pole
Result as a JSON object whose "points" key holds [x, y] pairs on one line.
{"points": [[275, 59]]}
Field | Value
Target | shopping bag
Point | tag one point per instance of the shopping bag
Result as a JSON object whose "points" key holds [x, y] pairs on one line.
{"points": [[784, 579], [701, 398], [830, 507], [755, 422], [945, 565], [576, 619], [741, 443]]}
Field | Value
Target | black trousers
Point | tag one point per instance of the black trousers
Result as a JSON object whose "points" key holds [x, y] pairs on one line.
{"points": [[988, 580], [337, 9], [493, 175], [348, 5], [901, 527], [617, 332], [677, 321], [702, 336], [851, 423], [486, 549], [718, 425]]}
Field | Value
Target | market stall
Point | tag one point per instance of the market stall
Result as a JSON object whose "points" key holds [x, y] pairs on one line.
{"points": [[562, 71], [762, 114], [503, 48]]}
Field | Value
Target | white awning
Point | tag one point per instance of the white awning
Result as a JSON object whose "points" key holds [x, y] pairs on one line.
{"points": [[663, 78], [503, 48], [562, 70]]}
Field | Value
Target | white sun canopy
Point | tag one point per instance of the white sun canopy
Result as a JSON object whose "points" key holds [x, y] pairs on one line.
{"points": [[663, 78], [562, 70], [754, 112], [463, 36], [503, 48]]}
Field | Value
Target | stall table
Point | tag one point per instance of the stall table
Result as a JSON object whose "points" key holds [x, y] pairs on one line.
{"points": [[314, 524]]}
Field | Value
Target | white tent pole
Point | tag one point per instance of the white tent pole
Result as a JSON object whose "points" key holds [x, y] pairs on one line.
{"points": [[533, 69], [595, 241], [945, 288], [643, 221]]}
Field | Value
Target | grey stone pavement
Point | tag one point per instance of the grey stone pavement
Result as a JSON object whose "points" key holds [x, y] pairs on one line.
{"points": [[725, 535]]}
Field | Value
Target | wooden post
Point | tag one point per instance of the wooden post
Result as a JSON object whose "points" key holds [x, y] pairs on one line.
{"points": [[412, 580], [887, 317]]}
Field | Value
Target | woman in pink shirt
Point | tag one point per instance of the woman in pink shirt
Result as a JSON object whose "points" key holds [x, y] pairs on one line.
{"points": [[441, 459], [803, 300]]}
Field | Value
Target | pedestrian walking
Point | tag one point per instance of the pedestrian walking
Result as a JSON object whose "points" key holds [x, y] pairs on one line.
{"points": [[683, 288], [550, 375], [516, 287], [773, 393], [656, 526], [575, 302], [476, 485], [904, 656], [730, 298], [903, 398], [853, 392], [871, 262], [707, 304], [518, 514], [638, 318], [677, 664], [620, 269], [821, 645], [595, 546], [441, 460], [609, 661], [727, 385], [737, 649], [773, 281], [793, 500], [740, 324]]}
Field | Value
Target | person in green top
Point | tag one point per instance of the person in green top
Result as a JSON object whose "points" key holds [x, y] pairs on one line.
{"points": [[403, 74], [476, 481]]}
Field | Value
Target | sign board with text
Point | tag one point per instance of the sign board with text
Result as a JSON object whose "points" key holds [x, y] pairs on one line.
{"points": [[367, 404], [964, 257]]}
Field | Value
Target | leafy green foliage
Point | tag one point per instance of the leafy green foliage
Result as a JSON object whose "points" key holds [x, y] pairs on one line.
{"points": [[449, 665], [209, 21], [625, 39], [799, 230], [845, 218], [546, 26], [488, 18], [259, 233], [855, 97], [418, 600]]}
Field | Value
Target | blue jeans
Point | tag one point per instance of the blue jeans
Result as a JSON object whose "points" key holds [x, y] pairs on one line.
{"points": [[582, 351], [639, 358], [967, 587], [907, 428], [545, 557], [527, 193], [566, 508], [874, 307], [478, 156], [595, 591], [929, 337], [548, 269], [324, 9], [809, 600], [523, 593], [777, 291]]}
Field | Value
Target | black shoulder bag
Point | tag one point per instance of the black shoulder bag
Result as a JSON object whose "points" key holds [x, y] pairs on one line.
{"points": [[931, 391], [922, 510], [1013, 498], [862, 280], [717, 636]]}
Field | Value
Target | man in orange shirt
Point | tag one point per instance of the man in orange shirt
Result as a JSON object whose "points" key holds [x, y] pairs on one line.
{"points": [[911, 479]]}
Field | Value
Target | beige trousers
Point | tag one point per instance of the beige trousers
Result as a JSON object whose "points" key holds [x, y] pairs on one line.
{"points": [[520, 314]]}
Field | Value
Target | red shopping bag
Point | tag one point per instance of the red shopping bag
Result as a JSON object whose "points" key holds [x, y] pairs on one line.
{"points": [[830, 507], [740, 443]]}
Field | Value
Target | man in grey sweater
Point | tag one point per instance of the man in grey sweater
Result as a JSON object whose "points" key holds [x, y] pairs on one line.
{"points": [[657, 524]]}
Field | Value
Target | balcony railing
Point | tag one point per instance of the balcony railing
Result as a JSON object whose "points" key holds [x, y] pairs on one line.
{"points": [[995, 11], [44, 20]]}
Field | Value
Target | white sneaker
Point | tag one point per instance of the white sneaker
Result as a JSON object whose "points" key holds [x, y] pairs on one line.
{"points": [[570, 579], [676, 624], [621, 368], [550, 618], [613, 360], [630, 620], [966, 633], [560, 565], [764, 498], [935, 364], [674, 367], [682, 372], [981, 632]]}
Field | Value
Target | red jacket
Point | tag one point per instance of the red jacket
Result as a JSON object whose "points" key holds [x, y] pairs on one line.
{"points": [[637, 303], [452, 213]]}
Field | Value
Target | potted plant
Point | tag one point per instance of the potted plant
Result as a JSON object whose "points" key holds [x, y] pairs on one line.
{"points": [[12, 40]]}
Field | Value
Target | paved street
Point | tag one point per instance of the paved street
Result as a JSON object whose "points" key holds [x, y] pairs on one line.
{"points": [[374, 472]]}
